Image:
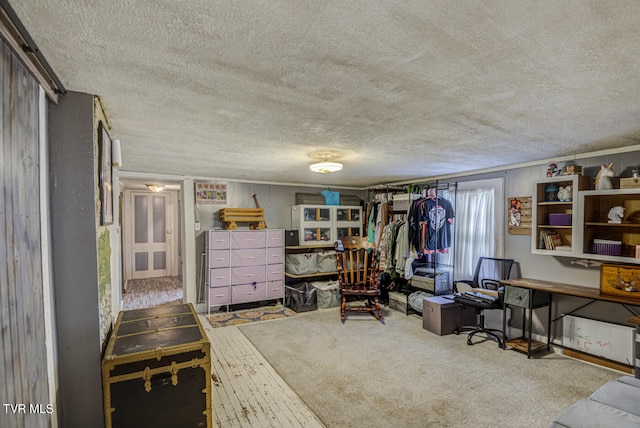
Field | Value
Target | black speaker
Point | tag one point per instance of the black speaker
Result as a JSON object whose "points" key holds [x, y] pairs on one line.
{"points": [[291, 238]]}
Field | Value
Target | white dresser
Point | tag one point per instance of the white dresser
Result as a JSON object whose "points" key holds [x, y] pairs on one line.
{"points": [[245, 266]]}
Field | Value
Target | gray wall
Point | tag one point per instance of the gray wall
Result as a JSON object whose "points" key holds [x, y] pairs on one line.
{"points": [[519, 182], [75, 269], [276, 201]]}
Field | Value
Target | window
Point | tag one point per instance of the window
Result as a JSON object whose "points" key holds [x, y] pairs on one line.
{"points": [[478, 224]]}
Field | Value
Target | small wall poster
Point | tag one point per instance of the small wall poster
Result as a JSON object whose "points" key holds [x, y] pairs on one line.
{"points": [[208, 193], [519, 215]]}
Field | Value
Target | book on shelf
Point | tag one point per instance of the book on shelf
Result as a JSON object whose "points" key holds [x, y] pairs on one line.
{"points": [[550, 240]]}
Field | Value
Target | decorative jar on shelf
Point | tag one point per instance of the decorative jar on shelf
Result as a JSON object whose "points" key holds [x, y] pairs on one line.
{"points": [[551, 193]]}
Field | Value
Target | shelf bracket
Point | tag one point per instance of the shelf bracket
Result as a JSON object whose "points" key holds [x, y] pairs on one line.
{"points": [[586, 263]]}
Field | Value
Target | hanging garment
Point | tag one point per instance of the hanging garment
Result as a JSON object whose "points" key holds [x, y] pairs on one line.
{"points": [[438, 217]]}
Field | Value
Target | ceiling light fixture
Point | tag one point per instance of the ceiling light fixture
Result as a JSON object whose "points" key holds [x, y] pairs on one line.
{"points": [[325, 166], [155, 188]]}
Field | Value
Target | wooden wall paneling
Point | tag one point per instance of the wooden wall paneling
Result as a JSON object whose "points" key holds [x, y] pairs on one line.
{"points": [[21, 300]]}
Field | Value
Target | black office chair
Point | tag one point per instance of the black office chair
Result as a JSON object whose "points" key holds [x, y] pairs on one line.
{"points": [[483, 292]]}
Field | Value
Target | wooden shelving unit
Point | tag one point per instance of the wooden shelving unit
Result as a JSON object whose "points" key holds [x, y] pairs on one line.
{"points": [[542, 208], [310, 275], [292, 249], [595, 206]]}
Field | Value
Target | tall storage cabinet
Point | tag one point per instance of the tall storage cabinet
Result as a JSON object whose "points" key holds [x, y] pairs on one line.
{"points": [[324, 224], [244, 266]]}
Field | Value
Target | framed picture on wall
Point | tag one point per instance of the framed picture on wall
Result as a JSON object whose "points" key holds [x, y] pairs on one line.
{"points": [[104, 172], [209, 193], [519, 215]]}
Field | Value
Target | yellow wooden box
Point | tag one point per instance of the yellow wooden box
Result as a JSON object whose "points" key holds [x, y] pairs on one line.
{"points": [[629, 183], [620, 280]]}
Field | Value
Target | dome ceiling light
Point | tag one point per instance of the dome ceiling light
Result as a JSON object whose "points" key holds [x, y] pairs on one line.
{"points": [[326, 166]]}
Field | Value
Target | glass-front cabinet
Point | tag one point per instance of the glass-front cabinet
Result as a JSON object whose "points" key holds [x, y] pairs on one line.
{"points": [[314, 223], [324, 224], [348, 221]]}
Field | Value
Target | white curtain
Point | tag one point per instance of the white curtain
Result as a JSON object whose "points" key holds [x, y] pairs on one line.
{"points": [[474, 229]]}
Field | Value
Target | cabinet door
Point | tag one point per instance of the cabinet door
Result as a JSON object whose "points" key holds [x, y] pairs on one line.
{"points": [[342, 232], [317, 235]]}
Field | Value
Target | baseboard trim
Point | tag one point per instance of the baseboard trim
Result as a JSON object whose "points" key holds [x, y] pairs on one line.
{"points": [[597, 360]]}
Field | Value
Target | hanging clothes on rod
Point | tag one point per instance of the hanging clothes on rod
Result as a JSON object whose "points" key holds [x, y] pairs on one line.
{"points": [[430, 221]]}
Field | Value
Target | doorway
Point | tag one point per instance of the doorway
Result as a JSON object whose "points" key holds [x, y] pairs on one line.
{"points": [[151, 247]]}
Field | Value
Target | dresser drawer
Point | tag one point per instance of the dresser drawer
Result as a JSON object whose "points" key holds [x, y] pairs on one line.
{"points": [[275, 238], [218, 296], [275, 255], [516, 296], [219, 277], [525, 298], [218, 258], [251, 257], [218, 240], [275, 290], [248, 274], [248, 239], [248, 293], [275, 272]]}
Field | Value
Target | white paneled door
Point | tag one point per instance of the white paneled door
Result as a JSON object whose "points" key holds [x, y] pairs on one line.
{"points": [[151, 235]]}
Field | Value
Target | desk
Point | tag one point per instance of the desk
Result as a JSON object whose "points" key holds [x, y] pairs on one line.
{"points": [[636, 321], [549, 288]]}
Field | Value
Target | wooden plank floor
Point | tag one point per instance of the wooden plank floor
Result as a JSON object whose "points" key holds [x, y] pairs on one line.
{"points": [[246, 390]]}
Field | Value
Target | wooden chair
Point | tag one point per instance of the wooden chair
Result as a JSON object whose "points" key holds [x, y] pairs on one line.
{"points": [[358, 276]]}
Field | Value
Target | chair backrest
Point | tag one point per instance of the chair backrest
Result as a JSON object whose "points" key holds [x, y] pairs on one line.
{"points": [[357, 262], [489, 271]]}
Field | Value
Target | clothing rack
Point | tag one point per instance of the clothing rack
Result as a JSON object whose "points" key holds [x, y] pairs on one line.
{"points": [[432, 260]]}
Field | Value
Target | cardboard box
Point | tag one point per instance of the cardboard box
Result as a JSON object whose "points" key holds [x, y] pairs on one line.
{"points": [[620, 280]]}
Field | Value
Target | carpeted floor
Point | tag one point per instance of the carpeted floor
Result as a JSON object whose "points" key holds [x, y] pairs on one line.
{"points": [[263, 313], [368, 373], [150, 292]]}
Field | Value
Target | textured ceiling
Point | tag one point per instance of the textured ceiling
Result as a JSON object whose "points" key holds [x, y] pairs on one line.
{"points": [[253, 89]]}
